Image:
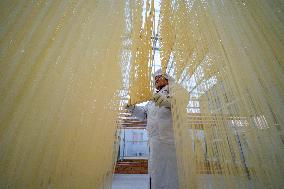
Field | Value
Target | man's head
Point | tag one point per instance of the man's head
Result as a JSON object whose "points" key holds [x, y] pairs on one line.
{"points": [[161, 79]]}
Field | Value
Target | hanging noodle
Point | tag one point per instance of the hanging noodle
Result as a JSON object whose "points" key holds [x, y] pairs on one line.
{"points": [[59, 77], [227, 61], [140, 73]]}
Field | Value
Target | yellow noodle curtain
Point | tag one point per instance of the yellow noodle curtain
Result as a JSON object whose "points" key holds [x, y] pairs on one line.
{"points": [[59, 81], [228, 108]]}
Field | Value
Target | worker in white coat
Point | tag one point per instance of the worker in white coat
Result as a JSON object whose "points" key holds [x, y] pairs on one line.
{"points": [[162, 160]]}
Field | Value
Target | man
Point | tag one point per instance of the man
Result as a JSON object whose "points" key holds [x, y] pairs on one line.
{"points": [[162, 160]]}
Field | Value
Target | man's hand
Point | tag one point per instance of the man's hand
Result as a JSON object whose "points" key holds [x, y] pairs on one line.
{"points": [[128, 106], [162, 100]]}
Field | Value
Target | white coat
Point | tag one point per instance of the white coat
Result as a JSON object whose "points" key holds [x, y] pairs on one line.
{"points": [[162, 160]]}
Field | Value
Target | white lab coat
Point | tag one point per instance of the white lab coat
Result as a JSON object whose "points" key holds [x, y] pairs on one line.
{"points": [[162, 160]]}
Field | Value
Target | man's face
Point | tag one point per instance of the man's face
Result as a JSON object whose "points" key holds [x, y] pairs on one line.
{"points": [[160, 82]]}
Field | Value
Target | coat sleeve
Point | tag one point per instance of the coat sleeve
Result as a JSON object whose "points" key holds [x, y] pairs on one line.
{"points": [[140, 112]]}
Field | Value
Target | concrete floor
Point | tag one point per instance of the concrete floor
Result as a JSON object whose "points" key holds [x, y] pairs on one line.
{"points": [[130, 181], [141, 181]]}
